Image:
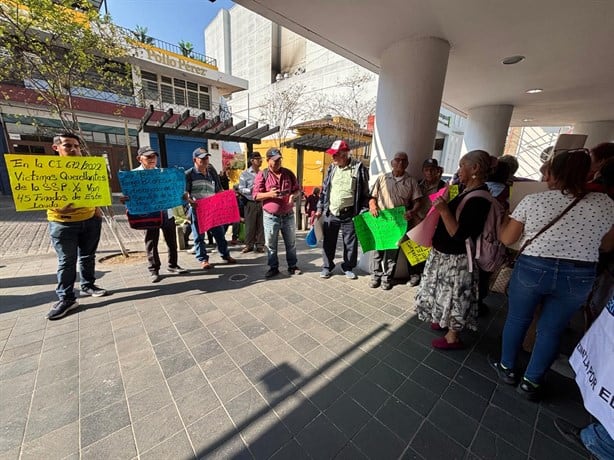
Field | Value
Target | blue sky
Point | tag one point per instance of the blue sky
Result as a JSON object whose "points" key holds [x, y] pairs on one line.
{"points": [[168, 20]]}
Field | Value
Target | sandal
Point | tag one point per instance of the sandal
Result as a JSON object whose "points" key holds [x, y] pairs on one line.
{"points": [[442, 344]]}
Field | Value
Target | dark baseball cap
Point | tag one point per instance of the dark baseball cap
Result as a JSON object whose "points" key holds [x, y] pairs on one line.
{"points": [[273, 154], [431, 162], [146, 151], [200, 152], [255, 156]]}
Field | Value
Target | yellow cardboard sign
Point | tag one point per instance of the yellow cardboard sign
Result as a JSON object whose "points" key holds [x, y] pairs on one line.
{"points": [[453, 191], [44, 182], [414, 252]]}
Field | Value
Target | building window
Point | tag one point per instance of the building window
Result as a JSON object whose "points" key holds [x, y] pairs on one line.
{"points": [[175, 91]]}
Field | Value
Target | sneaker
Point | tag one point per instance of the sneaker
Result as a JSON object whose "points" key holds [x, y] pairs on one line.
{"points": [[386, 286], [93, 290], [230, 260], [271, 273], [570, 432], [155, 277], [414, 280], [294, 271], [177, 269], [325, 273], [505, 374], [529, 390], [61, 308], [442, 344], [246, 249], [191, 251], [349, 274], [205, 265], [375, 283]]}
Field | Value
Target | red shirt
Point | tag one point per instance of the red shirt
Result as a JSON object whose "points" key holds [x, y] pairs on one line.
{"points": [[286, 184]]}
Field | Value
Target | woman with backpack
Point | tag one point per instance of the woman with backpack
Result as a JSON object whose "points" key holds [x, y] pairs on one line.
{"points": [[448, 293], [563, 230]]}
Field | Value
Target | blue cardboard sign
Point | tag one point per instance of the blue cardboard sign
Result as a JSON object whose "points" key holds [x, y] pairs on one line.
{"points": [[151, 190]]}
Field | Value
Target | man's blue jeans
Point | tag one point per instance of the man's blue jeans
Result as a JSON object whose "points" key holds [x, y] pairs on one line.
{"points": [[200, 248], [272, 225], [561, 287], [75, 241], [598, 441]]}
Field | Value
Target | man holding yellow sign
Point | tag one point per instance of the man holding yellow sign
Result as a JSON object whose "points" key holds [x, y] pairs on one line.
{"points": [[75, 233]]}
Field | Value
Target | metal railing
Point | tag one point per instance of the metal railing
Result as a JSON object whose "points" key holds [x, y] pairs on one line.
{"points": [[161, 44]]}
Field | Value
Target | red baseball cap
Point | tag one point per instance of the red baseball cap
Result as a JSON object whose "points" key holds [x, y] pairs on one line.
{"points": [[338, 146]]}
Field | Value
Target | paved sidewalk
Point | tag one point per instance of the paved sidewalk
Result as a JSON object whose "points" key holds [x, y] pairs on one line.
{"points": [[223, 364]]}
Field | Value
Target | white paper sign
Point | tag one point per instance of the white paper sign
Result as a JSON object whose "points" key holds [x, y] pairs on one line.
{"points": [[593, 363]]}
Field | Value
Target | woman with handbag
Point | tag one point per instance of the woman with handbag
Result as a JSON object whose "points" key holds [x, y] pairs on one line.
{"points": [[448, 292], [562, 230]]}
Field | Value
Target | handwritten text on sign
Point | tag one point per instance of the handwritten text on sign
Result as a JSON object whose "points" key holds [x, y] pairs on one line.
{"points": [[45, 181], [219, 209], [151, 190], [414, 252], [381, 232]]}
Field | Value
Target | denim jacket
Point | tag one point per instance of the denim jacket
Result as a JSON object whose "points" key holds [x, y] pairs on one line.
{"points": [[360, 188]]}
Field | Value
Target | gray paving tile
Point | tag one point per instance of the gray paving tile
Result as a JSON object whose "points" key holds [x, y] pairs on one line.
{"points": [[321, 439], [177, 364], [214, 436], [177, 446], [51, 374], [98, 356], [507, 399], [450, 420], [18, 340], [156, 427], [385, 377], [244, 353], [430, 379], [19, 367], [137, 359], [44, 419], [101, 424], [169, 348], [230, 385], [258, 368], [399, 418], [206, 350], [108, 392], [186, 381], [417, 397], [432, 443], [196, 404], [93, 377], [487, 445], [20, 352], [19, 385], [162, 335], [233, 338], [142, 378], [14, 415], [500, 422], [368, 395], [265, 435], [347, 415], [58, 444], [467, 402], [196, 336], [290, 450], [118, 445], [377, 441], [475, 382], [218, 366]]}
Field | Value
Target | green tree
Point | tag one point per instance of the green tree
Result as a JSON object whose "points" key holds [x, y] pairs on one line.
{"points": [[187, 48], [61, 49], [140, 33]]}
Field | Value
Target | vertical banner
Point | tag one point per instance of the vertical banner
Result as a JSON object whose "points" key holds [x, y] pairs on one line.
{"points": [[219, 209], [151, 190], [594, 367], [381, 232], [45, 181]]}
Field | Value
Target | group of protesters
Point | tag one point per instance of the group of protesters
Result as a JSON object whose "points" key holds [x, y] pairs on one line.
{"points": [[563, 232]]}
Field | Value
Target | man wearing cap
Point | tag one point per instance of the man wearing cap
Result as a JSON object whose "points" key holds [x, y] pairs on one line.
{"points": [[276, 187], [345, 194], [74, 233], [148, 159], [393, 189], [202, 181], [254, 230]]}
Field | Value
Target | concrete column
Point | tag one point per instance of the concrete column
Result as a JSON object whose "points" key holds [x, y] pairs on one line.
{"points": [[408, 101], [598, 132], [487, 129]]}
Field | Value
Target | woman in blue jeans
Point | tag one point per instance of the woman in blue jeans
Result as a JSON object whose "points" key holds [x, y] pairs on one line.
{"points": [[555, 270]]}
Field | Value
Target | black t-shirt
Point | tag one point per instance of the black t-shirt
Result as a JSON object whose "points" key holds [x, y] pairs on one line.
{"points": [[470, 224]]}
